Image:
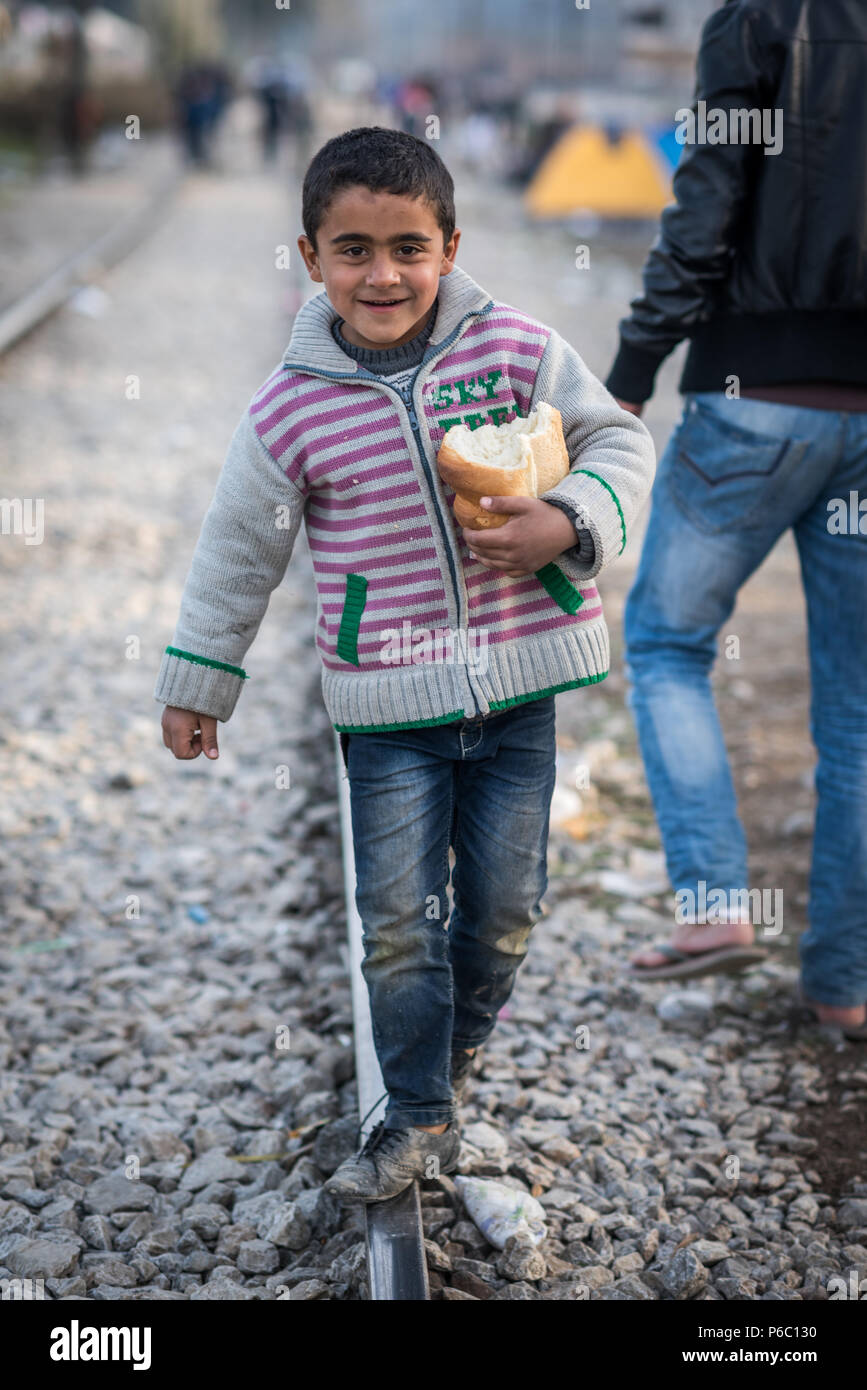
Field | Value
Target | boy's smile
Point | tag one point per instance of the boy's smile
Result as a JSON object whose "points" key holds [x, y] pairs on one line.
{"points": [[380, 257]]}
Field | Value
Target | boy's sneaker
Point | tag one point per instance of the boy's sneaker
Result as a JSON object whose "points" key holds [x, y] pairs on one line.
{"points": [[462, 1067], [391, 1159]]}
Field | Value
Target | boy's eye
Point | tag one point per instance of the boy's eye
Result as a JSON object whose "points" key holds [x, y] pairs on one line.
{"points": [[408, 247]]}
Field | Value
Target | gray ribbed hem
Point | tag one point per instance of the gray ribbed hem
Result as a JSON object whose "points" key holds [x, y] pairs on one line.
{"points": [[416, 696], [201, 689]]}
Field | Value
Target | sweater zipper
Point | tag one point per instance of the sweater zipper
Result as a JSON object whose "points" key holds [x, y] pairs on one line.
{"points": [[406, 396]]}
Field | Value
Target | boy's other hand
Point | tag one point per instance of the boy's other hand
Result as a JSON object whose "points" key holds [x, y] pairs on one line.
{"points": [[188, 734], [630, 406], [536, 533]]}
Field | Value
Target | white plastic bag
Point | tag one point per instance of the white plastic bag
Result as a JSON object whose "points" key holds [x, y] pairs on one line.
{"points": [[501, 1212]]}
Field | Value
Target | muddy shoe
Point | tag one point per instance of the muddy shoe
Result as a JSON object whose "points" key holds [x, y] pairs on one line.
{"points": [[462, 1068], [389, 1161]]}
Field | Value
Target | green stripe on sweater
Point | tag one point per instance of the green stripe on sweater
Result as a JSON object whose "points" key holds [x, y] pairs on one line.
{"points": [[551, 690], [614, 496], [391, 728], [207, 661], [458, 714], [353, 607], [561, 589]]}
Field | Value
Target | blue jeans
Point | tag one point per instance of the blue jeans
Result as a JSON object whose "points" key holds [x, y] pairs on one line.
{"points": [[736, 474], [483, 786]]}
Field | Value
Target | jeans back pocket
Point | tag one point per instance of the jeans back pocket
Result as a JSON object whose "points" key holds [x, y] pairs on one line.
{"points": [[724, 474]]}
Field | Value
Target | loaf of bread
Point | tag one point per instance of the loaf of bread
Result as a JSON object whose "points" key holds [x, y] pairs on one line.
{"points": [[523, 458]]}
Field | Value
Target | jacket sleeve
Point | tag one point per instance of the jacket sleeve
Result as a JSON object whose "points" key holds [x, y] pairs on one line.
{"points": [[240, 557], [692, 254], [611, 454]]}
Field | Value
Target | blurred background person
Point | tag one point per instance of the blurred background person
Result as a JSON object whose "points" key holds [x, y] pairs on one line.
{"points": [[202, 94], [272, 92]]}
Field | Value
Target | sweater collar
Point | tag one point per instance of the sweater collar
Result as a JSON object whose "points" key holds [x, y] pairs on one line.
{"points": [[395, 359], [312, 342]]}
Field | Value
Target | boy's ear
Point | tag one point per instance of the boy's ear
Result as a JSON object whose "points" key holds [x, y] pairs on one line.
{"points": [[311, 259], [450, 251]]}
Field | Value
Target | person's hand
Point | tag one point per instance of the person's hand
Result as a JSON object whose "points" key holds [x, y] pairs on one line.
{"points": [[188, 734], [630, 406], [536, 533]]}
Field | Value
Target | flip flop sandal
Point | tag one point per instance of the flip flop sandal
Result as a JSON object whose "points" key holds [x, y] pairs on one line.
{"points": [[854, 1032], [722, 960]]}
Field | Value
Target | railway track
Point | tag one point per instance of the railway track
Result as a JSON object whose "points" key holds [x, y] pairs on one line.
{"points": [[43, 299], [397, 1269]]}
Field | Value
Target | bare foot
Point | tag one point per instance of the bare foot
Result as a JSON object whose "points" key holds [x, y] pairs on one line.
{"points": [[705, 936], [847, 1018]]}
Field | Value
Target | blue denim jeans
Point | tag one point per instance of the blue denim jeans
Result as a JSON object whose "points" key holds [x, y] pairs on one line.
{"points": [[736, 474], [483, 786]]}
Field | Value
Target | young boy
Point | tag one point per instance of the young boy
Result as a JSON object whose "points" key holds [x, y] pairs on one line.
{"points": [[448, 738]]}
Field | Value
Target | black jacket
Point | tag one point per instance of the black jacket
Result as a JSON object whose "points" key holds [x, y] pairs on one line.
{"points": [[762, 260]]}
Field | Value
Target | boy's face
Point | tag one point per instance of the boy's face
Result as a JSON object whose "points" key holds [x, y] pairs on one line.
{"points": [[380, 257]]}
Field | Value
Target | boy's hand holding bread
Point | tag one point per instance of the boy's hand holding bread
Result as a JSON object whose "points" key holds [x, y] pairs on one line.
{"points": [[498, 473], [532, 534]]}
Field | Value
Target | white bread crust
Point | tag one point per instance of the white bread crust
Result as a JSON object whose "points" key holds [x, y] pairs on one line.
{"points": [[525, 458]]}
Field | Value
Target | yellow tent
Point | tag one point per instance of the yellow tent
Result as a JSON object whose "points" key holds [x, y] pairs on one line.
{"points": [[587, 172]]}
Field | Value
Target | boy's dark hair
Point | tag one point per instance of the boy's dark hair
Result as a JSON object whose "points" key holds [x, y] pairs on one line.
{"points": [[385, 161]]}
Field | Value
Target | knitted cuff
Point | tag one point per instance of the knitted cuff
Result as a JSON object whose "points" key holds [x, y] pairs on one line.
{"points": [[597, 508], [584, 552], [201, 684], [633, 373]]}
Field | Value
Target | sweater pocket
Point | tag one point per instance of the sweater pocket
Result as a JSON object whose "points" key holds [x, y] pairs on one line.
{"points": [[561, 589], [354, 600]]}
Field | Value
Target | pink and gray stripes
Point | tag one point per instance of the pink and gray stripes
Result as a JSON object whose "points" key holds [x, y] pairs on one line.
{"points": [[342, 444], [325, 446]]}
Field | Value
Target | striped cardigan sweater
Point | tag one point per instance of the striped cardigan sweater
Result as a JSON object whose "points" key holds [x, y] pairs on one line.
{"points": [[411, 629]]}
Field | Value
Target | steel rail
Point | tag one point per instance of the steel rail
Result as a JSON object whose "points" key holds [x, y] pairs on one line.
{"points": [[396, 1264], [24, 313]]}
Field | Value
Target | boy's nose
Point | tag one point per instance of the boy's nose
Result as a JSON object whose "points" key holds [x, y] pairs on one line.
{"points": [[383, 273]]}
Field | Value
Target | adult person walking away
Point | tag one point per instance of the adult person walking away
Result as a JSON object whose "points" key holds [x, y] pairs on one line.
{"points": [[762, 262]]}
